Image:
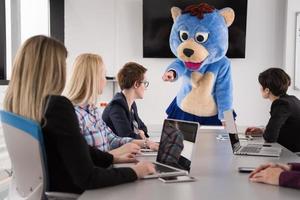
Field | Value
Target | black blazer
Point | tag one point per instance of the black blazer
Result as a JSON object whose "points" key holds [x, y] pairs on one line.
{"points": [[117, 116], [73, 166], [284, 124]]}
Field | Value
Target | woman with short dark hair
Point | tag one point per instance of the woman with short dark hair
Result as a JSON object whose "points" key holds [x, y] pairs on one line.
{"points": [[121, 114], [284, 125]]}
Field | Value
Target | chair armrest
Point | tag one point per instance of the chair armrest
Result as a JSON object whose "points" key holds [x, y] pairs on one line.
{"points": [[61, 195], [297, 153]]}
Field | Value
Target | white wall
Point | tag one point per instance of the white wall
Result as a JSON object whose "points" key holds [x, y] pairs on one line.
{"points": [[90, 27], [23, 20], [34, 18], [114, 30], [293, 6]]}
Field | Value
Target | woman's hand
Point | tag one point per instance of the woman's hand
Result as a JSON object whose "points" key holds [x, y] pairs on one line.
{"points": [[284, 167], [147, 144], [125, 158], [142, 134], [269, 175], [255, 131], [130, 147], [152, 145], [143, 168]]}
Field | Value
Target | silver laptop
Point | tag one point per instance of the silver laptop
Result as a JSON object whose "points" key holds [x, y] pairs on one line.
{"points": [[250, 149], [175, 148]]}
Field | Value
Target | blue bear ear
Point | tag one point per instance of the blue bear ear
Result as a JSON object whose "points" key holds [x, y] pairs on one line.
{"points": [[228, 14], [175, 11]]}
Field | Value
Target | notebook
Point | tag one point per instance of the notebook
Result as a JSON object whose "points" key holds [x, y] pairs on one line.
{"points": [[175, 148]]}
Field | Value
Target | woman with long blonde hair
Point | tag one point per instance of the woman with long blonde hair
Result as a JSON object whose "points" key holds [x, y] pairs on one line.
{"points": [[85, 86], [38, 78], [39, 69]]}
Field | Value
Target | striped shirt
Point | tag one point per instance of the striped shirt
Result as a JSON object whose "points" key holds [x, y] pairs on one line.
{"points": [[95, 131]]}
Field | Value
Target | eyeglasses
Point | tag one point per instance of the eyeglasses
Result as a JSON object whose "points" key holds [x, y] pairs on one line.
{"points": [[146, 83]]}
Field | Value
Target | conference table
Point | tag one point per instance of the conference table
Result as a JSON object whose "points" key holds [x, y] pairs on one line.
{"points": [[216, 170]]}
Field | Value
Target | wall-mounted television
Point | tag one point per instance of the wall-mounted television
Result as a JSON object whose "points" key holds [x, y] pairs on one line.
{"points": [[157, 24]]}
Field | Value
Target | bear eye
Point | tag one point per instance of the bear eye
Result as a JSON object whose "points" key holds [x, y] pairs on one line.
{"points": [[183, 35], [201, 37]]}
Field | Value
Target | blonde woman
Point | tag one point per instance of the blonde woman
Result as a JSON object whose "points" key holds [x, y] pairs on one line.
{"points": [[38, 78], [86, 84]]}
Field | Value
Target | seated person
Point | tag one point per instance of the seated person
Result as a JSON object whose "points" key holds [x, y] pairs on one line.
{"points": [[286, 175], [121, 114], [85, 86], [37, 81], [284, 125]]}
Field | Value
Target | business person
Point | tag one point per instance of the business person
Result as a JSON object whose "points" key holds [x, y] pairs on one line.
{"points": [[284, 124], [286, 175], [34, 92], [85, 86], [121, 114]]}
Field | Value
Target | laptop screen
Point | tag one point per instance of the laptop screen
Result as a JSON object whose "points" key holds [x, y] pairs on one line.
{"points": [[230, 123], [176, 143], [235, 142]]}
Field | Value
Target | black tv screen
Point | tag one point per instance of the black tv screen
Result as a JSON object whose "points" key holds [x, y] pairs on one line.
{"points": [[157, 24]]}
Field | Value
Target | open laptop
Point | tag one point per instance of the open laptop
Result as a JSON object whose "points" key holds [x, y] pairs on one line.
{"points": [[250, 149], [175, 148]]}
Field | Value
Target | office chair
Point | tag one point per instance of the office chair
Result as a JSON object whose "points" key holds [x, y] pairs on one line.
{"points": [[24, 142]]}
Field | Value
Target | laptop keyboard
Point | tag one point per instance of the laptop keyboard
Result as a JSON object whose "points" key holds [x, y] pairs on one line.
{"points": [[250, 149], [162, 169]]}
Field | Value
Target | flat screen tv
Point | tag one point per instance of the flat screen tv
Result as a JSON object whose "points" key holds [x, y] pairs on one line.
{"points": [[157, 24]]}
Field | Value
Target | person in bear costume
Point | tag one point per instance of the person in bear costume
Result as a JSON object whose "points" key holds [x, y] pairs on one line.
{"points": [[199, 40]]}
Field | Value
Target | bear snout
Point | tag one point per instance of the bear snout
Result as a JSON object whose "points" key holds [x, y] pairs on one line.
{"points": [[188, 52]]}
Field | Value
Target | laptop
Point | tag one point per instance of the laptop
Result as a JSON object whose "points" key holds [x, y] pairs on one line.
{"points": [[175, 148], [250, 149]]}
